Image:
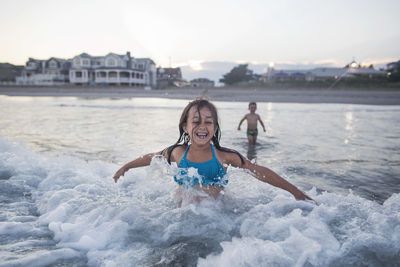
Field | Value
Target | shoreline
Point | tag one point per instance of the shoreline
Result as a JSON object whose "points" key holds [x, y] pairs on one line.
{"points": [[370, 96]]}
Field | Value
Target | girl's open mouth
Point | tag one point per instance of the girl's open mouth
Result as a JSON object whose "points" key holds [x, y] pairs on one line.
{"points": [[202, 135]]}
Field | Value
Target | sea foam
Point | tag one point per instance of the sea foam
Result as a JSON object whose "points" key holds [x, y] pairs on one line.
{"points": [[67, 211]]}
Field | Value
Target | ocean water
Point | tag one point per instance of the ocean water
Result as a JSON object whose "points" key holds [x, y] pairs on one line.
{"points": [[60, 207]]}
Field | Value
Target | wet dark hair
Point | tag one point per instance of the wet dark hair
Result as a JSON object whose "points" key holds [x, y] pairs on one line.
{"points": [[252, 103], [184, 137]]}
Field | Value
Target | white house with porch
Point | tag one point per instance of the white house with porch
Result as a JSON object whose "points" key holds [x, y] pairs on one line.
{"points": [[113, 69]]}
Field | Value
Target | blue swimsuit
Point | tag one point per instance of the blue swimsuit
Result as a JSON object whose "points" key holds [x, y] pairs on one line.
{"points": [[209, 172]]}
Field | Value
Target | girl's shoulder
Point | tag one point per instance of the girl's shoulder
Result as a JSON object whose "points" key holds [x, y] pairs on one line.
{"points": [[229, 156], [179, 149], [178, 152]]}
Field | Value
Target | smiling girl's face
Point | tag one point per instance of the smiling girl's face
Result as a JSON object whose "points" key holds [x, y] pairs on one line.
{"points": [[200, 127]]}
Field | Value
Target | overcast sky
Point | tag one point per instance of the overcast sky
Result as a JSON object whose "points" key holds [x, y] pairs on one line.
{"points": [[184, 32]]}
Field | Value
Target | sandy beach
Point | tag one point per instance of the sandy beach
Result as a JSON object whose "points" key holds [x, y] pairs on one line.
{"points": [[345, 96]]}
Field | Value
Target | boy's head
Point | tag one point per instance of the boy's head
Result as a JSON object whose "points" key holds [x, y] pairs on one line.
{"points": [[252, 106]]}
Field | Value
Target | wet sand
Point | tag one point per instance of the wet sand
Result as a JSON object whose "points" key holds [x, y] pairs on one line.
{"points": [[345, 96]]}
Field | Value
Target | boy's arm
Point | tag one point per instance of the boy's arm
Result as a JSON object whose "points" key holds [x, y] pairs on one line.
{"points": [[240, 123], [139, 162], [261, 122]]}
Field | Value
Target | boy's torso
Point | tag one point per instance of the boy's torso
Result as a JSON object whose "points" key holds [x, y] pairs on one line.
{"points": [[252, 121]]}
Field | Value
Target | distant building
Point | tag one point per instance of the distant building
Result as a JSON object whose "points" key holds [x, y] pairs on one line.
{"points": [[282, 75], [202, 83], [8, 73], [393, 71], [54, 71], [169, 77], [113, 69], [361, 71], [393, 66], [351, 70], [323, 74]]}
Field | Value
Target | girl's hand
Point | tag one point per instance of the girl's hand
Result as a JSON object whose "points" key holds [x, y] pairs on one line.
{"points": [[139, 162], [118, 174], [301, 196]]}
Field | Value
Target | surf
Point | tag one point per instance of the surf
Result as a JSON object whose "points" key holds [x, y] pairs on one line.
{"points": [[65, 210]]}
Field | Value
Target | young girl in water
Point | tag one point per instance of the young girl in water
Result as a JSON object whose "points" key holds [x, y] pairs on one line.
{"points": [[200, 158]]}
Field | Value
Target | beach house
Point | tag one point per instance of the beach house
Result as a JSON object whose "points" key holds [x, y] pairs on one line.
{"points": [[113, 69], [53, 71]]}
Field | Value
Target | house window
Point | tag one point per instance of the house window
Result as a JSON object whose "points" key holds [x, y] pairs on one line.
{"points": [[113, 74], [77, 61], [53, 64], [101, 74], [32, 64], [78, 74], [141, 66], [124, 74], [111, 62], [85, 62]]}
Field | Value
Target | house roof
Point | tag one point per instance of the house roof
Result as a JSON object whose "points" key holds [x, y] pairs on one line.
{"points": [[116, 55], [85, 55], [60, 60], [146, 59], [34, 60]]}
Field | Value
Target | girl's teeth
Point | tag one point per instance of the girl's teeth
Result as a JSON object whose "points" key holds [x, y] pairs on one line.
{"points": [[202, 136]]}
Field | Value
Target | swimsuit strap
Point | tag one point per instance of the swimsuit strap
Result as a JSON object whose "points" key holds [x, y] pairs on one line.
{"points": [[186, 151], [213, 152]]}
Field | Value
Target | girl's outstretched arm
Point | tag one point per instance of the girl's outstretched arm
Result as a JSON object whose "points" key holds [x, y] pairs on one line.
{"points": [[268, 176], [139, 162]]}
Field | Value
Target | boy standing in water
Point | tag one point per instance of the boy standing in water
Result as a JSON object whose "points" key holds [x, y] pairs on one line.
{"points": [[252, 119]]}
